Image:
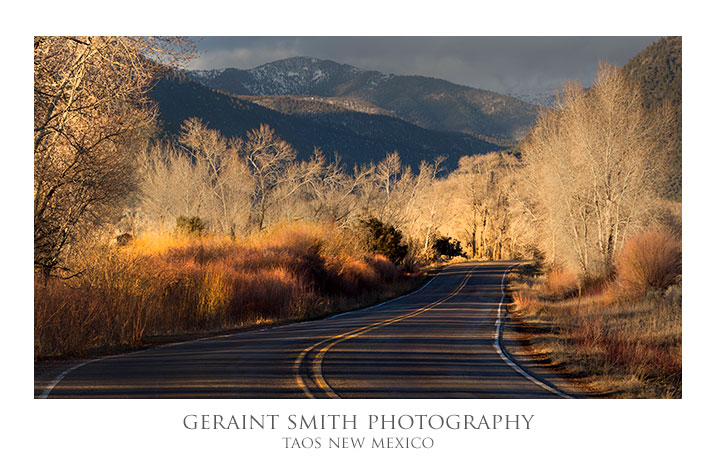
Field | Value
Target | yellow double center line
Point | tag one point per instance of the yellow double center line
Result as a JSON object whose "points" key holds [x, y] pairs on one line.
{"points": [[333, 341]]}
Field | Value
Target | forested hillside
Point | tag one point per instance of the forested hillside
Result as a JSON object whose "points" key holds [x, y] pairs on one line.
{"points": [[658, 70]]}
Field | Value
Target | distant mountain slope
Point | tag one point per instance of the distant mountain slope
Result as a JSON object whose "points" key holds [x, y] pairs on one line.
{"points": [[658, 69], [313, 105], [358, 136], [546, 99], [430, 103]]}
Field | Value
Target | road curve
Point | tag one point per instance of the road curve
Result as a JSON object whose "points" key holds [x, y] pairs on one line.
{"points": [[438, 342]]}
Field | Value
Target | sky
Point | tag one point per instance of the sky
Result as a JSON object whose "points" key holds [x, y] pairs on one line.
{"points": [[511, 65]]}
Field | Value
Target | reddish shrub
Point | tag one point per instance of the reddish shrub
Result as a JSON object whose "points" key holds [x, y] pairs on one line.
{"points": [[559, 283], [525, 302], [386, 269], [359, 274], [650, 260], [171, 284]]}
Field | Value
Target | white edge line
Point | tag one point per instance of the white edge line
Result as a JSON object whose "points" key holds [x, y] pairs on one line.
{"points": [[46, 392], [499, 348], [48, 389]]}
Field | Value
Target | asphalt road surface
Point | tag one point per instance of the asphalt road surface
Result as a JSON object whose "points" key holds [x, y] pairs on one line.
{"points": [[438, 342]]}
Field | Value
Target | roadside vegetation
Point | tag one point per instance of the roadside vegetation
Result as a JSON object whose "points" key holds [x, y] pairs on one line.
{"points": [[622, 337], [605, 302], [177, 283]]}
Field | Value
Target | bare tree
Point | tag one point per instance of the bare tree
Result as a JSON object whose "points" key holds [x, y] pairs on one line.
{"points": [[428, 202], [330, 193], [392, 190], [170, 187], [481, 188], [226, 173], [592, 167], [378, 196], [205, 176], [269, 158], [91, 110]]}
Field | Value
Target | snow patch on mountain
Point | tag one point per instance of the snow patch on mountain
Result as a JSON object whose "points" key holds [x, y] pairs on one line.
{"points": [[536, 98], [200, 74]]}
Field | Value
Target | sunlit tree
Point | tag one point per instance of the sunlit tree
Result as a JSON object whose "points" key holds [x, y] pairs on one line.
{"points": [[592, 167], [269, 158], [91, 113]]}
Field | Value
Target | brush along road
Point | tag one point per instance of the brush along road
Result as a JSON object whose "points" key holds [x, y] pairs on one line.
{"points": [[442, 341]]}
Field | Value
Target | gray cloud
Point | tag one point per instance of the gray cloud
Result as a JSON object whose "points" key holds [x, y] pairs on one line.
{"points": [[502, 64]]}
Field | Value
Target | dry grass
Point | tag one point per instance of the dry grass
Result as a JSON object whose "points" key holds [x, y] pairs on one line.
{"points": [[164, 283], [621, 345]]}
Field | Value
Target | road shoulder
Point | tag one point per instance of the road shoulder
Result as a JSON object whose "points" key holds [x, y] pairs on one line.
{"points": [[516, 340]]}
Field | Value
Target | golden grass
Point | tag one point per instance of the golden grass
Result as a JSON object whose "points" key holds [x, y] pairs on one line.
{"points": [[621, 345], [164, 283]]}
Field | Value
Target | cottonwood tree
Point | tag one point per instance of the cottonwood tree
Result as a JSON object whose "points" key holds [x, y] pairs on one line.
{"points": [[375, 195], [203, 176], [427, 203], [91, 112], [480, 204], [469, 175], [224, 173], [170, 187], [328, 192], [591, 170], [269, 159], [392, 190]]}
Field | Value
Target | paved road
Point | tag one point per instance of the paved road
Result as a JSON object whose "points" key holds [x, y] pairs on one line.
{"points": [[435, 343]]}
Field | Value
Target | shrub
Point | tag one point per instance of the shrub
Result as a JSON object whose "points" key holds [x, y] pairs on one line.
{"points": [[123, 239], [190, 225], [385, 268], [164, 284], [650, 260], [445, 246], [525, 302], [560, 283], [384, 240], [415, 257]]}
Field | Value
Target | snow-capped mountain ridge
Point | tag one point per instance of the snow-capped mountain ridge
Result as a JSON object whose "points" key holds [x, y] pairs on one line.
{"points": [[293, 76], [428, 102], [206, 73]]}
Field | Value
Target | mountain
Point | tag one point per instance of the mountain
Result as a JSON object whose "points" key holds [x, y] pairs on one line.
{"points": [[658, 70], [358, 131], [536, 98], [430, 103]]}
